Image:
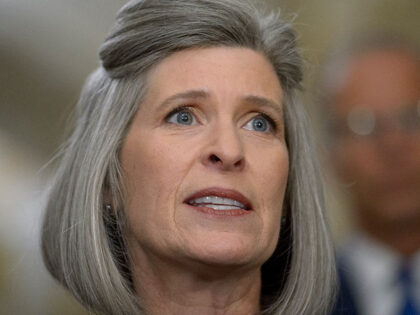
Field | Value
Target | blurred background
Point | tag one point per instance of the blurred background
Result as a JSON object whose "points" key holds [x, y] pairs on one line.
{"points": [[48, 47]]}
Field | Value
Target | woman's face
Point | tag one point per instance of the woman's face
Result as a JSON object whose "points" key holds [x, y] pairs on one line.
{"points": [[205, 160]]}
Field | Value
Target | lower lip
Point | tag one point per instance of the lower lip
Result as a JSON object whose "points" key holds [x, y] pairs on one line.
{"points": [[221, 213]]}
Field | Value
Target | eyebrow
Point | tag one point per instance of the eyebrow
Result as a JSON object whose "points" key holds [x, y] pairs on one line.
{"points": [[258, 101], [264, 102], [190, 94]]}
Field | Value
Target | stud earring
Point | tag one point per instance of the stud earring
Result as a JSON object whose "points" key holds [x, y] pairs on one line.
{"points": [[283, 221], [108, 207]]}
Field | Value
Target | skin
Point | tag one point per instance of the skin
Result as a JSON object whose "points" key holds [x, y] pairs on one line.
{"points": [[196, 262], [384, 171]]}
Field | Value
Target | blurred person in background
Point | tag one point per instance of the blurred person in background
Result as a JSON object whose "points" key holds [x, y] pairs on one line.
{"points": [[371, 96]]}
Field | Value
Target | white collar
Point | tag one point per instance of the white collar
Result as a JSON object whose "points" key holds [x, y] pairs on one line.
{"points": [[372, 269]]}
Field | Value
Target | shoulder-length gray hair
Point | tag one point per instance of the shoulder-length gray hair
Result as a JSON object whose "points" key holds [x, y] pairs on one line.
{"points": [[83, 244]]}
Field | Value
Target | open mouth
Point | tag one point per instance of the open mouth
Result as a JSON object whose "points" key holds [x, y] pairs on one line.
{"points": [[219, 200], [216, 203]]}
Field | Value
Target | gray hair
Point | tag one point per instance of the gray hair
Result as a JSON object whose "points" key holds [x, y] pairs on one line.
{"points": [[83, 244]]}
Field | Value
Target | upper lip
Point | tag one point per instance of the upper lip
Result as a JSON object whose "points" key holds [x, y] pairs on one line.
{"points": [[223, 193]]}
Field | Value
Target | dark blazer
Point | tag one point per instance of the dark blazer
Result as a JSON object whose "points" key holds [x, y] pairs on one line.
{"points": [[345, 304]]}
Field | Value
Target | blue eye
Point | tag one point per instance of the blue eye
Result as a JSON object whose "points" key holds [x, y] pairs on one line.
{"points": [[181, 116], [259, 123]]}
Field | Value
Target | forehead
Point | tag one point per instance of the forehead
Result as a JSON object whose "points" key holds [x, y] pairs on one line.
{"points": [[224, 70], [382, 80]]}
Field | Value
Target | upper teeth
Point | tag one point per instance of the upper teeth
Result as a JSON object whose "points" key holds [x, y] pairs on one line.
{"points": [[217, 203]]}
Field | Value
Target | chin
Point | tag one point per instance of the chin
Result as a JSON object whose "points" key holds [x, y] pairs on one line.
{"points": [[230, 251]]}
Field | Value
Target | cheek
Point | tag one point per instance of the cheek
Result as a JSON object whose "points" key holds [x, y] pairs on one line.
{"points": [[152, 172], [271, 171], [275, 166], [273, 186]]}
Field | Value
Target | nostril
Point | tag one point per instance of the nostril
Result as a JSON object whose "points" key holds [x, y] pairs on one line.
{"points": [[214, 158], [238, 163]]}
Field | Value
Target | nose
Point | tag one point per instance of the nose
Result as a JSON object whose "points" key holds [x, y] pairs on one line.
{"points": [[224, 149]]}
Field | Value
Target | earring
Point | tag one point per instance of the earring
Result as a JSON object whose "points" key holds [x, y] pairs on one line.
{"points": [[108, 207], [283, 221]]}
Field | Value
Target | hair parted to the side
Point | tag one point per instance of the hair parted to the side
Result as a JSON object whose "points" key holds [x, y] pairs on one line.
{"points": [[83, 244]]}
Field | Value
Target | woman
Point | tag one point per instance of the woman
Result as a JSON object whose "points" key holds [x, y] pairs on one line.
{"points": [[189, 184]]}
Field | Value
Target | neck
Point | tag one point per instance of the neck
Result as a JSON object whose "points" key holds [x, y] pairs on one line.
{"points": [[402, 237], [166, 287]]}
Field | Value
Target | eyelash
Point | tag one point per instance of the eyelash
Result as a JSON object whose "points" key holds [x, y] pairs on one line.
{"points": [[178, 110], [273, 122]]}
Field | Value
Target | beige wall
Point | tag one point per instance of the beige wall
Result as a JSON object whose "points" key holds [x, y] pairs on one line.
{"points": [[47, 47]]}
